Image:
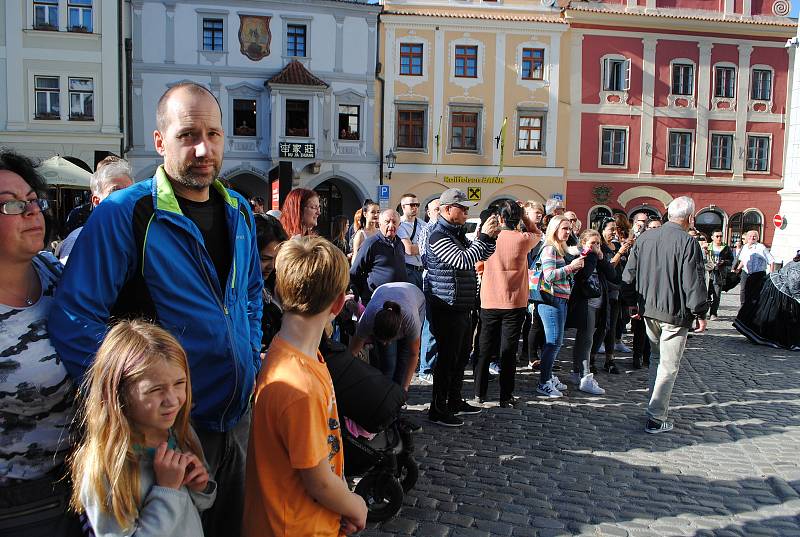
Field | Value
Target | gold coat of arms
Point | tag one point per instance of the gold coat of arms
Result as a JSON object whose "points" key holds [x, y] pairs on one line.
{"points": [[254, 36]]}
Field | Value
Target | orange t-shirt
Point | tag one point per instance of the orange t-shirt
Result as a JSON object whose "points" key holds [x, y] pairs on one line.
{"points": [[295, 425]]}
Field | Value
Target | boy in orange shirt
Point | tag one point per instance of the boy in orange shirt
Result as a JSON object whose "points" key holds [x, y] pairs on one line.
{"points": [[294, 484]]}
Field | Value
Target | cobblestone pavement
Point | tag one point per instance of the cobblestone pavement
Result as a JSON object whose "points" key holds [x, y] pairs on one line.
{"points": [[582, 465]]}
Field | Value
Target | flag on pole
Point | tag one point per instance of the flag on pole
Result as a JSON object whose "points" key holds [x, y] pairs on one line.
{"points": [[502, 144]]}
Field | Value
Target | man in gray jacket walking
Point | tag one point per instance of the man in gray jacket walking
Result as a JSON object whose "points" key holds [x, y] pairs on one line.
{"points": [[665, 278]]}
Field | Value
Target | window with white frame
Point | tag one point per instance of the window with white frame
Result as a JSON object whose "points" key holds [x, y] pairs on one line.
{"points": [[464, 130], [762, 85], [297, 117], [757, 153], [47, 94], [79, 15], [411, 128], [245, 116], [679, 154], [616, 74], [411, 59], [682, 79], [532, 63], [81, 99], [213, 34], [349, 115], [529, 132], [296, 40], [45, 14], [613, 146], [721, 152], [466, 61], [724, 82]]}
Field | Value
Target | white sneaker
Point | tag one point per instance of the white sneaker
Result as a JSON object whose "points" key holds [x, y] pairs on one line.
{"points": [[548, 389], [589, 385], [602, 349], [427, 378], [621, 347], [494, 368], [557, 384], [575, 378]]}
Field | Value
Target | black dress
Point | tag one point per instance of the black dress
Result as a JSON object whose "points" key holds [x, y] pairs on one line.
{"points": [[773, 319]]}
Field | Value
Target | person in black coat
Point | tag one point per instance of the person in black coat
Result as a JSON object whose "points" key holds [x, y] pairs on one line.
{"points": [[588, 309], [722, 256]]}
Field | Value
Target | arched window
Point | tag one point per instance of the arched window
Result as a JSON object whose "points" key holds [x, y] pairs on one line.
{"points": [[709, 220], [741, 223], [597, 215]]}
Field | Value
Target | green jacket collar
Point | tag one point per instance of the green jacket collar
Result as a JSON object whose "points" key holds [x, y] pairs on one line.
{"points": [[165, 195]]}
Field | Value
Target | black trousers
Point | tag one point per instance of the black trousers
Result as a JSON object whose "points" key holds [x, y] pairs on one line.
{"points": [[499, 336], [714, 293], [641, 343], [535, 335], [451, 329]]}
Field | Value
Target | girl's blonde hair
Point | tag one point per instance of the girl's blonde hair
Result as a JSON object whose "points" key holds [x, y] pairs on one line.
{"points": [[535, 205], [588, 234], [107, 458], [550, 234]]}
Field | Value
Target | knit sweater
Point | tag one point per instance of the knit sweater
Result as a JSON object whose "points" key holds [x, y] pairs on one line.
{"points": [[504, 284], [555, 274]]}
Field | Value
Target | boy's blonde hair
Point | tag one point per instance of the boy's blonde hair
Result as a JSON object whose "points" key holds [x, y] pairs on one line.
{"points": [[107, 457], [310, 274]]}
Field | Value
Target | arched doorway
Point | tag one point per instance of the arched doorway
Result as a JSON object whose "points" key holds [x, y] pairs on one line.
{"points": [[741, 223], [596, 216], [249, 185], [335, 197], [709, 220], [651, 212]]}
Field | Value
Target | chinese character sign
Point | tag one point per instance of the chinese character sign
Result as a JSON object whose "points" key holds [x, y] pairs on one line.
{"points": [[287, 150]]}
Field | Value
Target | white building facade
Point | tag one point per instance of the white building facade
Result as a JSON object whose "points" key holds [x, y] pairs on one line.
{"points": [[296, 83], [60, 79]]}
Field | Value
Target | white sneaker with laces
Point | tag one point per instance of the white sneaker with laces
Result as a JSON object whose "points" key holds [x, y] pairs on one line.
{"points": [[621, 347], [548, 389], [557, 384], [602, 349], [494, 368], [427, 378], [589, 385]]}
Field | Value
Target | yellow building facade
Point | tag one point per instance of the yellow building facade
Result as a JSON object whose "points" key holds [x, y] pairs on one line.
{"points": [[471, 100]]}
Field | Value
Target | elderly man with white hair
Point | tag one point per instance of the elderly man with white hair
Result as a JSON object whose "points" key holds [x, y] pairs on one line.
{"points": [[380, 259], [665, 278], [112, 174]]}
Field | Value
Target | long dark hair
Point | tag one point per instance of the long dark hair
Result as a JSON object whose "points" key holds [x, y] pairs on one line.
{"points": [[268, 229], [510, 212]]}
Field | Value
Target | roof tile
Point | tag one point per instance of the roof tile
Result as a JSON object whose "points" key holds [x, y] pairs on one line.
{"points": [[296, 74]]}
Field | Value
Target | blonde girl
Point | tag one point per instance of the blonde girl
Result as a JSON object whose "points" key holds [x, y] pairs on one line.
{"points": [[140, 468], [556, 280]]}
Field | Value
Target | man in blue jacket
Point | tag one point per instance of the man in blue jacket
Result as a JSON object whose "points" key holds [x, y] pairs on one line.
{"points": [[178, 249]]}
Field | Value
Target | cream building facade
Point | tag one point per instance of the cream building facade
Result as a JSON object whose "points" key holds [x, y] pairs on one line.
{"points": [[454, 75]]}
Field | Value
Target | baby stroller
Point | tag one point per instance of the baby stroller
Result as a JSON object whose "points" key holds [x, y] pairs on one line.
{"points": [[385, 462]]}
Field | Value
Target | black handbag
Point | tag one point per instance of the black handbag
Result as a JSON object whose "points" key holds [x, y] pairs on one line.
{"points": [[732, 279]]}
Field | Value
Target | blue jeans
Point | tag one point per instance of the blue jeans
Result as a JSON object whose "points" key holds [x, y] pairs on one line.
{"points": [[553, 319], [428, 349], [393, 359], [414, 275]]}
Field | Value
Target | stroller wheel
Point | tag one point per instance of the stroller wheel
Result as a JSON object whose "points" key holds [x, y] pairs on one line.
{"points": [[383, 495], [407, 472]]}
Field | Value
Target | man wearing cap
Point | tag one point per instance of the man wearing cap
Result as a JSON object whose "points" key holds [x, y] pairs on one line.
{"points": [[451, 288]]}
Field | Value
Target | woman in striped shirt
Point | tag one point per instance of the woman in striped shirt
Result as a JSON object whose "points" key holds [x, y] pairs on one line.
{"points": [[556, 280]]}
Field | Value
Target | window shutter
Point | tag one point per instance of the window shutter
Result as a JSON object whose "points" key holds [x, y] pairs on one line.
{"points": [[627, 81], [606, 74]]}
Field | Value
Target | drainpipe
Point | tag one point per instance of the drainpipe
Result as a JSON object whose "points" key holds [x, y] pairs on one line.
{"points": [[120, 81], [379, 78]]}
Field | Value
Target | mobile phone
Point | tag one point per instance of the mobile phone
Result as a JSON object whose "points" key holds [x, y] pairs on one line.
{"points": [[585, 251]]}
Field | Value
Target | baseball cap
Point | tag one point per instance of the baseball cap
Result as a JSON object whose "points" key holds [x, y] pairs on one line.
{"points": [[454, 196]]}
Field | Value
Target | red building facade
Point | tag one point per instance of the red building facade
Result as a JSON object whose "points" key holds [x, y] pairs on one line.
{"points": [[669, 99]]}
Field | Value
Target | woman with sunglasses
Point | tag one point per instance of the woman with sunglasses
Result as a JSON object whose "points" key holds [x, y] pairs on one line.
{"points": [[38, 406], [722, 257]]}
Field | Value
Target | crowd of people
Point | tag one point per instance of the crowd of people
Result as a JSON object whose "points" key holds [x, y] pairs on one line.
{"points": [[162, 372]]}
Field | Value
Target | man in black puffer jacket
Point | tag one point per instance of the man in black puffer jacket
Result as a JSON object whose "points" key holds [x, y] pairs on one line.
{"points": [[451, 287]]}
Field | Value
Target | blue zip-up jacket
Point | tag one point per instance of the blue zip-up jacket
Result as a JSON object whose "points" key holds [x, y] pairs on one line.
{"points": [[138, 255]]}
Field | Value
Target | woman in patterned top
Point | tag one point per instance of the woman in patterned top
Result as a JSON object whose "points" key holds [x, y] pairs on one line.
{"points": [[37, 402]]}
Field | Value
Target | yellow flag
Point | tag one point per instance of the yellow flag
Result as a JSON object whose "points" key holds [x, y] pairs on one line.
{"points": [[502, 144]]}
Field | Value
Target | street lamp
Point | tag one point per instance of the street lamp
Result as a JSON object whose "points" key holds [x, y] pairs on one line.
{"points": [[391, 160]]}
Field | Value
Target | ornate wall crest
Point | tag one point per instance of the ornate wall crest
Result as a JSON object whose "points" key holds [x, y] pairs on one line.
{"points": [[254, 36], [601, 194]]}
